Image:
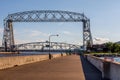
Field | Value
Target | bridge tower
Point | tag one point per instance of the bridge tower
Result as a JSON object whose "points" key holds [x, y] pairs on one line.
{"points": [[87, 37], [8, 37]]}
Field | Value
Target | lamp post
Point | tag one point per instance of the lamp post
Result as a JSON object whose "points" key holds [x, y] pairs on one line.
{"points": [[50, 41]]}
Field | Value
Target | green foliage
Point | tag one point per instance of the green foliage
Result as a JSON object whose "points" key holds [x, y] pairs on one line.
{"points": [[109, 45], [113, 47]]}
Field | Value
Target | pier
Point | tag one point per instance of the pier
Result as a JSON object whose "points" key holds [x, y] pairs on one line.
{"points": [[72, 67]]}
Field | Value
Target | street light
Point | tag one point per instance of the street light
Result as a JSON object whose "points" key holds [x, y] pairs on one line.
{"points": [[49, 41]]}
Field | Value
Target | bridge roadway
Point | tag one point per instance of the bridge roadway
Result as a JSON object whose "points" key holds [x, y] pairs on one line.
{"points": [[63, 68]]}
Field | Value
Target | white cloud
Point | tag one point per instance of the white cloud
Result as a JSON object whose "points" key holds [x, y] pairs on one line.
{"points": [[66, 33], [0, 42], [18, 41], [100, 40], [40, 40], [35, 33], [38, 33], [1, 30]]}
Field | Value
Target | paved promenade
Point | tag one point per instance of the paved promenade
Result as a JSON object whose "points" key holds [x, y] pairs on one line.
{"points": [[63, 68]]}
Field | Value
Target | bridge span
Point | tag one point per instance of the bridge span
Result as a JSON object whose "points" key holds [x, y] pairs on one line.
{"points": [[45, 46]]}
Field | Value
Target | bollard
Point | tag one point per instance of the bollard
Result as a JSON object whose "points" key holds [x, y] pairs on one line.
{"points": [[61, 54], [50, 56]]}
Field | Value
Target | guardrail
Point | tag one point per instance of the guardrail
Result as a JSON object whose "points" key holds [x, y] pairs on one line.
{"points": [[110, 70], [11, 61]]}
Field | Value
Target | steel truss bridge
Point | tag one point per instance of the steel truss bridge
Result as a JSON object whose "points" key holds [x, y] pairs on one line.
{"points": [[44, 16], [44, 46]]}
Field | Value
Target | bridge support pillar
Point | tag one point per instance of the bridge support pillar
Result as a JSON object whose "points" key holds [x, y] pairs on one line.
{"points": [[87, 37], [9, 36]]}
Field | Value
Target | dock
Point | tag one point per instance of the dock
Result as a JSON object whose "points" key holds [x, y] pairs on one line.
{"points": [[71, 67]]}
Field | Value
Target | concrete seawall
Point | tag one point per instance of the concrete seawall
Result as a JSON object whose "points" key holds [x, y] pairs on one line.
{"points": [[110, 70], [7, 62], [114, 71], [9, 52], [97, 62]]}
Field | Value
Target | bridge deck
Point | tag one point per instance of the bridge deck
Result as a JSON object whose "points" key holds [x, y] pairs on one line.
{"points": [[64, 68]]}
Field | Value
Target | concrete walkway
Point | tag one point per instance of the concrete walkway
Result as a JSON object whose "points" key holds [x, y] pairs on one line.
{"points": [[64, 68]]}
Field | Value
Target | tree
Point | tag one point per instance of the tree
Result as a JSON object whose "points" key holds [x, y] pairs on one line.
{"points": [[115, 47], [109, 45]]}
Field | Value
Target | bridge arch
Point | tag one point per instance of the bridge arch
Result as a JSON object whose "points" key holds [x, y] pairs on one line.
{"points": [[43, 46], [44, 16]]}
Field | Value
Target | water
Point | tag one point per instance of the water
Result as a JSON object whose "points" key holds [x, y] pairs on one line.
{"points": [[27, 53], [114, 59], [117, 59]]}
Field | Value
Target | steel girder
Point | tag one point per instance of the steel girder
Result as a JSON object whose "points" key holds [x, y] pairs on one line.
{"points": [[44, 16], [43, 46]]}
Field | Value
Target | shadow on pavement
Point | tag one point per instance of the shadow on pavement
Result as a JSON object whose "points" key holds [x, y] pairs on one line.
{"points": [[91, 72]]}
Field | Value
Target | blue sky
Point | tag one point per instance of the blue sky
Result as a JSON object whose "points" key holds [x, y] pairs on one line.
{"points": [[104, 16]]}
